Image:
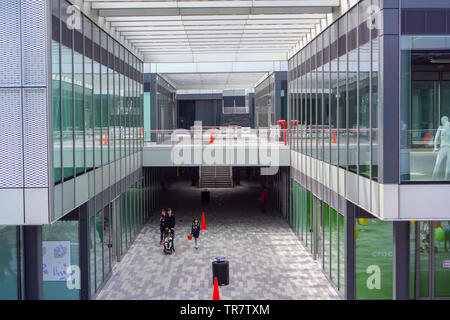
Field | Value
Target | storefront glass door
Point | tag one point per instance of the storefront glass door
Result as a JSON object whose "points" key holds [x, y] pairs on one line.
{"points": [[317, 229], [432, 267]]}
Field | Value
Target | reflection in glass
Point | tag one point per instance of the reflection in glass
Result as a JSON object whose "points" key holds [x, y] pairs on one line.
{"points": [[88, 96], [8, 263], [97, 100], [78, 102], [334, 246], [107, 239], [442, 258], [341, 253], [364, 110], [92, 254], [56, 94], [99, 247], [374, 259], [342, 93], [67, 232], [425, 109], [66, 94], [375, 70], [424, 258], [326, 237], [104, 138]]}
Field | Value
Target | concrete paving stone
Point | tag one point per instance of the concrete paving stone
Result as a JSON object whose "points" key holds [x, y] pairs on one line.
{"points": [[267, 260]]}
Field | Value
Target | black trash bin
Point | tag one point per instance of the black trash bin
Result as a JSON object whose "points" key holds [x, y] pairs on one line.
{"points": [[221, 270], [205, 196]]}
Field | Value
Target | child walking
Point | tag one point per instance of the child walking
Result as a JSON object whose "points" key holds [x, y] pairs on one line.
{"points": [[162, 224], [195, 232]]}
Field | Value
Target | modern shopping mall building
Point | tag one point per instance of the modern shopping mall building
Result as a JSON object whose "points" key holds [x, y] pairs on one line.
{"points": [[357, 94]]}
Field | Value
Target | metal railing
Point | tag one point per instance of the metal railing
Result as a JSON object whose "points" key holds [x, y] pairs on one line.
{"points": [[211, 135]]}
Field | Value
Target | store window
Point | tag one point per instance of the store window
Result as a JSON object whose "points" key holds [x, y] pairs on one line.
{"points": [[442, 258], [8, 263], [92, 254], [432, 259], [61, 250], [374, 259], [326, 239], [98, 248], [334, 229], [425, 108], [341, 253]]}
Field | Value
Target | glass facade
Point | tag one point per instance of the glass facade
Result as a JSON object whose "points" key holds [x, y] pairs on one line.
{"points": [[322, 229], [425, 108], [334, 97], [112, 229], [61, 237], [97, 97], [165, 99], [9, 265], [430, 265], [374, 259], [265, 103]]}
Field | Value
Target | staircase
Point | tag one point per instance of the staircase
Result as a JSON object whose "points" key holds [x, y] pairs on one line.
{"points": [[216, 177]]}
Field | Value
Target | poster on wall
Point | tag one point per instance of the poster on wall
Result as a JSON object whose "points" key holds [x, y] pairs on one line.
{"points": [[56, 259]]}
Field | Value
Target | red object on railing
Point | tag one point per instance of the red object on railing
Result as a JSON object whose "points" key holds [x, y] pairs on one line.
{"points": [[292, 126], [211, 141], [283, 122]]}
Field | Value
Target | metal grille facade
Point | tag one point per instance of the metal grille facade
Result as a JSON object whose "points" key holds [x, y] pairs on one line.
{"points": [[34, 41], [11, 154], [10, 54], [35, 137], [23, 101]]}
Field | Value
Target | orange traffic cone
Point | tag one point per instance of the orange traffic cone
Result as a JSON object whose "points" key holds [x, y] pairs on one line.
{"points": [[334, 137], [106, 138], [212, 137], [203, 222], [216, 295]]}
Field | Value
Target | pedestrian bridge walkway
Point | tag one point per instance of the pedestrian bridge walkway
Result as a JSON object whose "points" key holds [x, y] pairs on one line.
{"points": [[216, 147], [267, 261]]}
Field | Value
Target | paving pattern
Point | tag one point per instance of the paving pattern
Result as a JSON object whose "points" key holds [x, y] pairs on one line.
{"points": [[267, 260]]}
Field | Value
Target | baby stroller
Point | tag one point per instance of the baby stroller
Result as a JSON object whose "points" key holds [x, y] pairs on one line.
{"points": [[168, 241]]}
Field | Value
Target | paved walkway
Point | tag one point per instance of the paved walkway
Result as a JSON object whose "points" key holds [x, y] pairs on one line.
{"points": [[267, 261]]}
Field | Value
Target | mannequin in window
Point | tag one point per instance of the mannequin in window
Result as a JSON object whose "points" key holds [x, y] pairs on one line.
{"points": [[442, 144]]}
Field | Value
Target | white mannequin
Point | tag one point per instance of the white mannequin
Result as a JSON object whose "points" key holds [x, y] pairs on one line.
{"points": [[442, 140]]}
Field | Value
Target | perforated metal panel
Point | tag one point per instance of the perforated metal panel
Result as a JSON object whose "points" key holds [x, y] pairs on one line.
{"points": [[34, 55], [10, 43], [11, 165], [35, 137]]}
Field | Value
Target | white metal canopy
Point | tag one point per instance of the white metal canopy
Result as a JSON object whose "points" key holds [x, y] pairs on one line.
{"points": [[213, 31]]}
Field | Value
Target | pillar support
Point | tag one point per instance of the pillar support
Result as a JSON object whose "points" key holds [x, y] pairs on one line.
{"points": [[401, 260], [32, 269]]}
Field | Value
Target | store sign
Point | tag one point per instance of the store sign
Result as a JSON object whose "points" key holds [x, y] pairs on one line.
{"points": [[56, 259], [446, 264]]}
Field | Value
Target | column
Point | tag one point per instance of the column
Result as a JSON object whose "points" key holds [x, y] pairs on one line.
{"points": [[401, 260], [32, 270]]}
